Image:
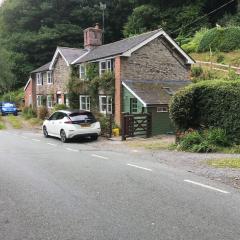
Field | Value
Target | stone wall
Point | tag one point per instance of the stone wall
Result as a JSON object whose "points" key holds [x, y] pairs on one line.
{"points": [[60, 76], [155, 61]]}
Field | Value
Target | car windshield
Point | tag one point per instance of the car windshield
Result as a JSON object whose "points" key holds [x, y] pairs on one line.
{"points": [[85, 117], [8, 105]]}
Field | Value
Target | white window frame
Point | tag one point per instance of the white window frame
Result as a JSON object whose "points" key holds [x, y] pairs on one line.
{"points": [[49, 77], [87, 102], [136, 107], [162, 109], [108, 66], [39, 100], [106, 105], [49, 103], [82, 72], [39, 77]]}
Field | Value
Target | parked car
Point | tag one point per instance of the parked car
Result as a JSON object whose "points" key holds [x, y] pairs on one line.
{"points": [[66, 124], [9, 108]]}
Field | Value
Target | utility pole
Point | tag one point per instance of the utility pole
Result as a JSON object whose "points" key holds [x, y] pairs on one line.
{"points": [[103, 7]]}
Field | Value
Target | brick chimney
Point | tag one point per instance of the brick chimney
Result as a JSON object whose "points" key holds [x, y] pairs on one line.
{"points": [[93, 37]]}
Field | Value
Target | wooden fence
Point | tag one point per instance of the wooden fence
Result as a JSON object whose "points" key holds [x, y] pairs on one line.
{"points": [[219, 66]]}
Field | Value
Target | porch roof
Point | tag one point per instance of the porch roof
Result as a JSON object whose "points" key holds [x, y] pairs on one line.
{"points": [[154, 92]]}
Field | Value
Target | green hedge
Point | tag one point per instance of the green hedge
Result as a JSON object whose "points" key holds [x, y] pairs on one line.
{"points": [[220, 39], [209, 104]]}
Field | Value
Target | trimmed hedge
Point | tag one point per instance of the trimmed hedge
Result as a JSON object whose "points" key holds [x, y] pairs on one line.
{"points": [[209, 104], [220, 39]]}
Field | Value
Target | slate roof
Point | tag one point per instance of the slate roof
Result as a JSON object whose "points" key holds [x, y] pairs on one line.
{"points": [[42, 68], [116, 48], [71, 54], [155, 92]]}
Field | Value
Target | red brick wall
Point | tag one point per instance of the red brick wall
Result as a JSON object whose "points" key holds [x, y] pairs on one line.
{"points": [[118, 92], [30, 94]]}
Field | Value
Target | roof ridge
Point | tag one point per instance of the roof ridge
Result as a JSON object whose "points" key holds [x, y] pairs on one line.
{"points": [[71, 48], [159, 29]]}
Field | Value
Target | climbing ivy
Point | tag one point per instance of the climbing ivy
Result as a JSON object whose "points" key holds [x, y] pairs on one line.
{"points": [[92, 86]]}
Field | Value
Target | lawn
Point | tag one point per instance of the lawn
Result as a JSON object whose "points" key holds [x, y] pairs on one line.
{"points": [[225, 163]]}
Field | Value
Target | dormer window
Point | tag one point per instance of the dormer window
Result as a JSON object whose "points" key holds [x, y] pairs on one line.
{"points": [[49, 77], [105, 66], [82, 72], [39, 79]]}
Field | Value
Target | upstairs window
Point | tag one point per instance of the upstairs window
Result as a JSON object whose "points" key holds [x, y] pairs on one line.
{"points": [[49, 77], [82, 72], [105, 66], [39, 79], [105, 104]]}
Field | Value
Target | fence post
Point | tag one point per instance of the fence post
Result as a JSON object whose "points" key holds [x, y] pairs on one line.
{"points": [[110, 125], [123, 127], [149, 125]]}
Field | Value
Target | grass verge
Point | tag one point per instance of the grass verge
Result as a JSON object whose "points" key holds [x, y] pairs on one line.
{"points": [[2, 125], [152, 144], [15, 122], [225, 163]]}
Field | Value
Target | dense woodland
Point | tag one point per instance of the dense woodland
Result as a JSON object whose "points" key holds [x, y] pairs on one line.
{"points": [[30, 30]]}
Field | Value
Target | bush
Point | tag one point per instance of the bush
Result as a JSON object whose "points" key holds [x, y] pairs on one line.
{"points": [[193, 44], [43, 112], [196, 72], [209, 104], [220, 39], [60, 107], [203, 141], [29, 112]]}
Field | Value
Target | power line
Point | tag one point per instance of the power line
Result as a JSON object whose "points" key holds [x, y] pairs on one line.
{"points": [[206, 15]]}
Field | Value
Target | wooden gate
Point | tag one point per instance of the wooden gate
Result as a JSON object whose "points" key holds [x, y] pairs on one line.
{"points": [[134, 125]]}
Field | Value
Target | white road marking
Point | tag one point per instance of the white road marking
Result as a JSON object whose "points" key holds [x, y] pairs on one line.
{"points": [[36, 140], [98, 156], [143, 168], [206, 186], [24, 137], [72, 150], [51, 144]]}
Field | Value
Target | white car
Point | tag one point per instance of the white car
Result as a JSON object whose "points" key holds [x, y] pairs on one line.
{"points": [[71, 124]]}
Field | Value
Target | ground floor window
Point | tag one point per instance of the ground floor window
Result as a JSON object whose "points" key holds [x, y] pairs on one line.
{"points": [[105, 104], [49, 101], [85, 102], [39, 100], [133, 105], [162, 109]]}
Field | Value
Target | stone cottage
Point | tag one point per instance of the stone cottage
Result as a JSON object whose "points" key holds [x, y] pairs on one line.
{"points": [[148, 69]]}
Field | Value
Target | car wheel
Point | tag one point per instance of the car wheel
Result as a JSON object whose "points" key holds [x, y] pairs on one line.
{"points": [[45, 132], [15, 114], [94, 138], [63, 136]]}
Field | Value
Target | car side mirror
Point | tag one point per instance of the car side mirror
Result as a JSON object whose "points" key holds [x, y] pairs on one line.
{"points": [[46, 118]]}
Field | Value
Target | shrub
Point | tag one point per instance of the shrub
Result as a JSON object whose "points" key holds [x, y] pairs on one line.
{"points": [[29, 112], [222, 39], [193, 44], [43, 112], [203, 141], [208, 104], [60, 107], [220, 58], [196, 71]]}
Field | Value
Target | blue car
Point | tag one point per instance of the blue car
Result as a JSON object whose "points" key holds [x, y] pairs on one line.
{"points": [[9, 108]]}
